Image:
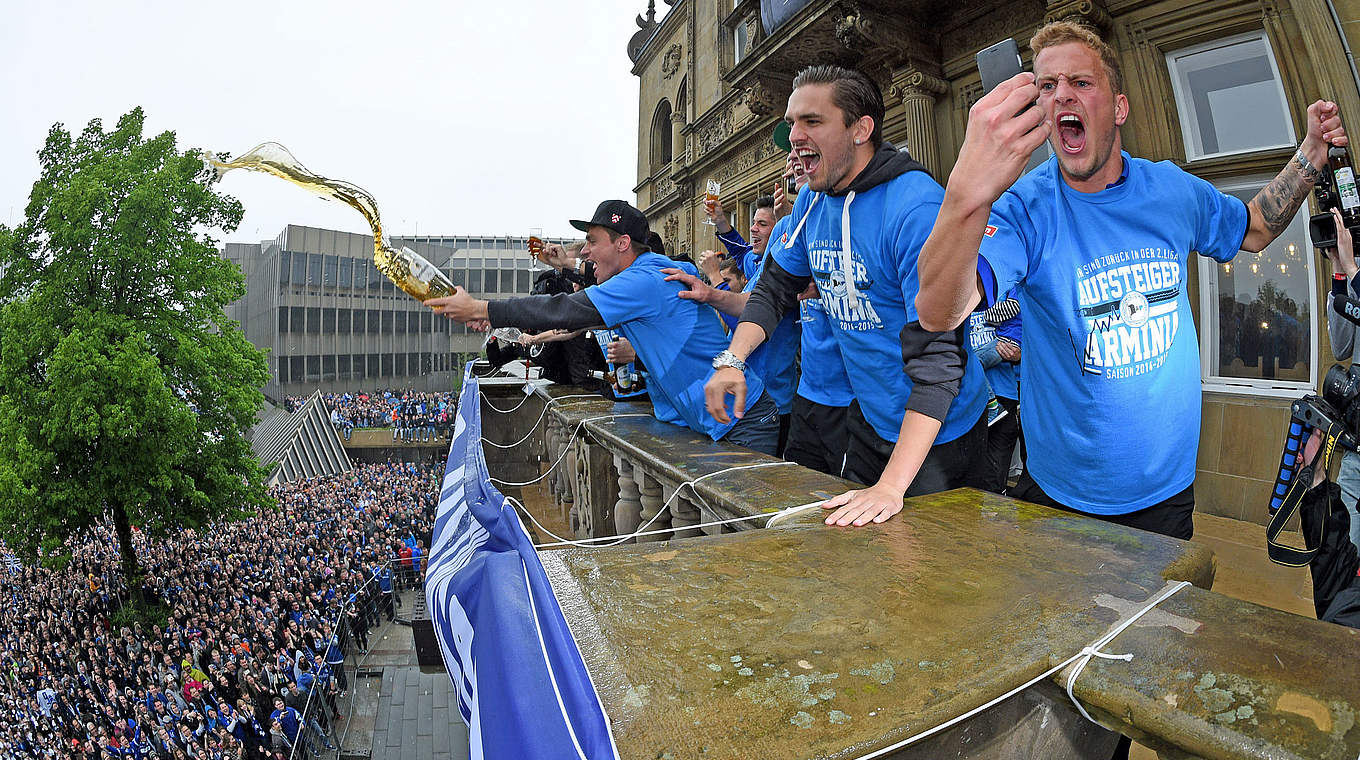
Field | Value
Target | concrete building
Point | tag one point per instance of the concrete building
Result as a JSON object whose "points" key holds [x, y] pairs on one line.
{"points": [[331, 322], [1218, 86]]}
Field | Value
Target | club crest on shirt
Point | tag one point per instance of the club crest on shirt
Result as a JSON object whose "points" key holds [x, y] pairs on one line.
{"points": [[852, 314], [1129, 301], [990, 230]]}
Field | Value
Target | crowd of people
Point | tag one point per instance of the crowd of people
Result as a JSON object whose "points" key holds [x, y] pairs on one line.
{"points": [[412, 415], [250, 661]]}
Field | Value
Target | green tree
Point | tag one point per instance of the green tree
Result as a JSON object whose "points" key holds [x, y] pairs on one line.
{"points": [[125, 392]]}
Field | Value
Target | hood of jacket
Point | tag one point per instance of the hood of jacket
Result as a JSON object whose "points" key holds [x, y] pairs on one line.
{"points": [[887, 164]]}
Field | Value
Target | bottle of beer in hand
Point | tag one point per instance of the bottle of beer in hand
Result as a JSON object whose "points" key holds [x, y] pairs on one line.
{"points": [[1348, 199]]}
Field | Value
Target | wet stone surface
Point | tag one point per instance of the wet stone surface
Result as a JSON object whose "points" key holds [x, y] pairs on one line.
{"points": [[807, 641]]}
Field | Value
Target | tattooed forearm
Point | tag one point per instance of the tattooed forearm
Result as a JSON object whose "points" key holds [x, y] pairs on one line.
{"points": [[1274, 207]]}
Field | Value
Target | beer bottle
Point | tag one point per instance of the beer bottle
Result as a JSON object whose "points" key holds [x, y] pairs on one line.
{"points": [[1348, 199]]}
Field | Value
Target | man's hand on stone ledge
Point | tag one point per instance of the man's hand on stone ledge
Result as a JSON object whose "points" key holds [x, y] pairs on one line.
{"points": [[873, 504]]}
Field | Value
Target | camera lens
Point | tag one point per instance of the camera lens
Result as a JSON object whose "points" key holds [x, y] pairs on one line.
{"points": [[1340, 387]]}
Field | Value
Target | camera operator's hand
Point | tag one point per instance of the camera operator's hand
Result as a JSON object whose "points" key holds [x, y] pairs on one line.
{"points": [[1343, 255], [1310, 455]]}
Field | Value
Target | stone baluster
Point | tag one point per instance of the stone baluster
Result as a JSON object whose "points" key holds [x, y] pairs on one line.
{"points": [[684, 513], [918, 90], [650, 495], [628, 509]]}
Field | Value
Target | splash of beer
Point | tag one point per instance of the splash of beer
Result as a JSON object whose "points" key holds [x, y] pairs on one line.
{"points": [[406, 269]]}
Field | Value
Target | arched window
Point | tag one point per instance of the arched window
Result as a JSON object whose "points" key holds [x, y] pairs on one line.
{"points": [[661, 136]]}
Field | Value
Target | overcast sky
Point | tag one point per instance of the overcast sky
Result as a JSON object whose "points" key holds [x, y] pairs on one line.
{"points": [[460, 117]]}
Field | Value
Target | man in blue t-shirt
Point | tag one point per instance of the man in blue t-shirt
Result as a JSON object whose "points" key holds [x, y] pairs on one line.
{"points": [[776, 361], [675, 337], [909, 433], [1097, 244]]}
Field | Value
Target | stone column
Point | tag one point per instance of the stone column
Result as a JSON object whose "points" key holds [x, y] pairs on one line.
{"points": [[918, 90], [651, 498], [684, 513], [628, 509], [678, 137]]}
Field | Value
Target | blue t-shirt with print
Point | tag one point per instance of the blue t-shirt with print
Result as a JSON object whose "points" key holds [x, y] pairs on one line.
{"points": [[1001, 376], [888, 225], [823, 379], [677, 339], [1110, 380], [776, 359]]}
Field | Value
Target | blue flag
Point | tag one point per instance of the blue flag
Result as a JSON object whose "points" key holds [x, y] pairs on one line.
{"points": [[522, 685]]}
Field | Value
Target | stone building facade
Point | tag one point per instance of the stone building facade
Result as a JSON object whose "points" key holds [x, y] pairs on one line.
{"points": [[1218, 86]]}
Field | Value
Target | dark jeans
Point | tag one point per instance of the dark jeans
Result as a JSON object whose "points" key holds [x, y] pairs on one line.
{"points": [[1001, 440], [759, 428], [1172, 517], [956, 464], [817, 436]]}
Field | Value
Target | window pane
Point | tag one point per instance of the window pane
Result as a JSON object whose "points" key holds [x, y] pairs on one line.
{"points": [[491, 281], [359, 369], [285, 261], [342, 321], [299, 273], [399, 320], [313, 269], [1263, 328], [295, 368], [328, 367], [342, 371], [283, 371], [346, 272], [374, 321], [1230, 98], [314, 367], [283, 319], [360, 274], [332, 265], [328, 321], [314, 320], [523, 282]]}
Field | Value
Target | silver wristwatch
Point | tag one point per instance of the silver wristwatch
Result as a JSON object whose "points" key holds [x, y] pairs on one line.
{"points": [[728, 359]]}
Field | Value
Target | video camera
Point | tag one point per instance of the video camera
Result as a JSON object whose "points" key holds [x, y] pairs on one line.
{"points": [[1322, 226]]}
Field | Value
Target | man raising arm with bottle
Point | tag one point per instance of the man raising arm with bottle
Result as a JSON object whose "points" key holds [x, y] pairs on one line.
{"points": [[1098, 244]]}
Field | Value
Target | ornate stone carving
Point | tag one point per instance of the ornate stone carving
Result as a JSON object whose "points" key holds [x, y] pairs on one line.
{"points": [[1088, 12], [759, 99], [670, 63], [748, 158], [714, 131], [646, 28], [914, 83], [670, 231], [663, 186]]}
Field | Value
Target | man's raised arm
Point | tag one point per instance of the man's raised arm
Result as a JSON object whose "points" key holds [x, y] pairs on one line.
{"points": [[1271, 211], [1002, 133]]}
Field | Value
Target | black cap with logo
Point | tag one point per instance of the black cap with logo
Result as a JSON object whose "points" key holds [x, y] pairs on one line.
{"points": [[619, 216]]}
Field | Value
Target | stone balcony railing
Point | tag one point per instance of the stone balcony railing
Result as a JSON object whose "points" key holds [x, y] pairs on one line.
{"points": [[967, 595]]}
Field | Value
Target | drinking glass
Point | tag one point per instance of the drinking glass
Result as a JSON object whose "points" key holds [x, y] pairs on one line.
{"points": [[536, 246], [711, 196]]}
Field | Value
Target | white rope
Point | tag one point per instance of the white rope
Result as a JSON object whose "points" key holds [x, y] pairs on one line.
{"points": [[1102, 641], [576, 430], [528, 393], [592, 542], [642, 529], [1094, 649], [533, 428]]}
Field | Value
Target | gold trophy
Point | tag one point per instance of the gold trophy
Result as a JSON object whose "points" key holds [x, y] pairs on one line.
{"points": [[406, 269]]}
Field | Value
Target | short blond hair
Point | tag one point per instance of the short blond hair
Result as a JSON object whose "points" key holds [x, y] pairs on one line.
{"points": [[1062, 32]]}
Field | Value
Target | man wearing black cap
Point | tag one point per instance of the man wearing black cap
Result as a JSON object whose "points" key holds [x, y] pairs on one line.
{"points": [[676, 338]]}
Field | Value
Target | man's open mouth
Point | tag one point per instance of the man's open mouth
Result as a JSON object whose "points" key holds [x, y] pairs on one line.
{"points": [[1071, 133], [809, 158]]}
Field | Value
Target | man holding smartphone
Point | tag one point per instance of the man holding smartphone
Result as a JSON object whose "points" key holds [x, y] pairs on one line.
{"points": [[1097, 243]]}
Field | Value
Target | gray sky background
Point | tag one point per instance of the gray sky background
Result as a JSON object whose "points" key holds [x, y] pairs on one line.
{"points": [[460, 117]]}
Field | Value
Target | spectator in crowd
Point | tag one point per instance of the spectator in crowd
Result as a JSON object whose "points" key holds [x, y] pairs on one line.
{"points": [[672, 335], [994, 336], [250, 620]]}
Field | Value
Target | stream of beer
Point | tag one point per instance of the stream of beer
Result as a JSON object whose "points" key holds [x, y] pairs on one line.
{"points": [[406, 269]]}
